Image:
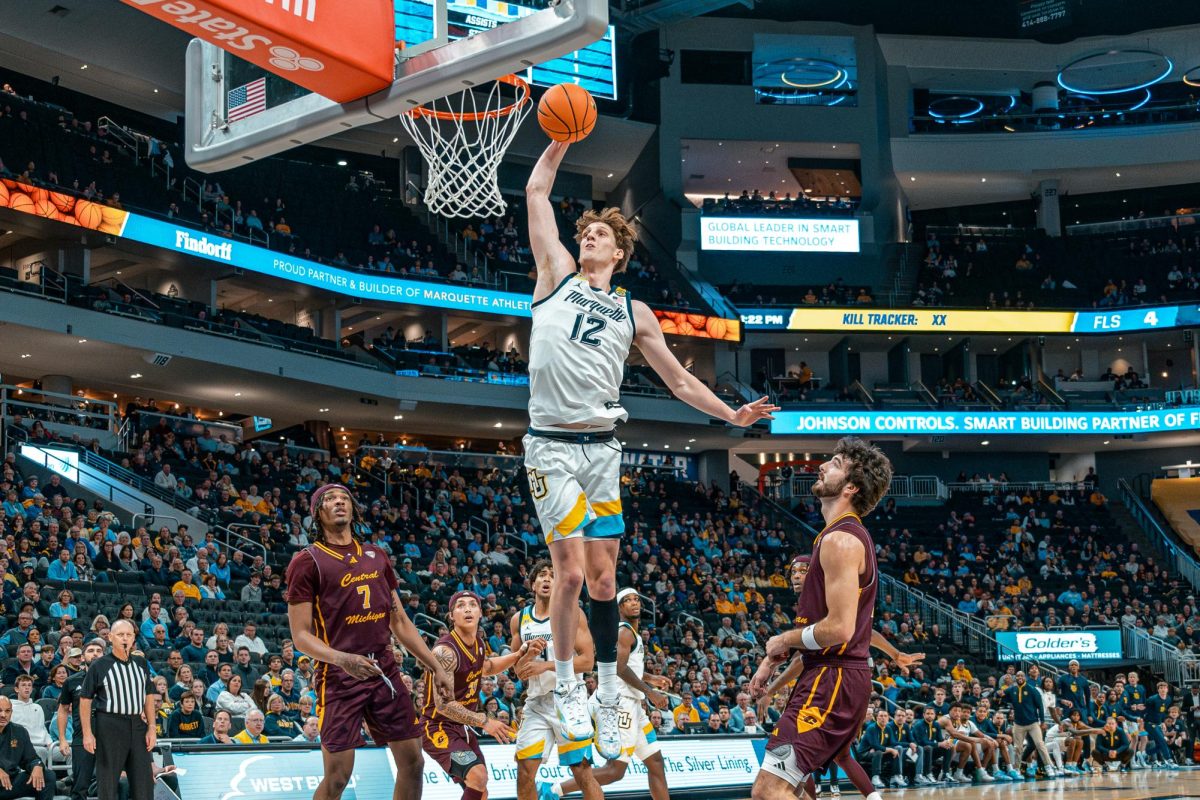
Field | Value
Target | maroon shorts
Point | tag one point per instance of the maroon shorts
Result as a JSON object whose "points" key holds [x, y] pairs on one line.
{"points": [[345, 703], [825, 713], [455, 747]]}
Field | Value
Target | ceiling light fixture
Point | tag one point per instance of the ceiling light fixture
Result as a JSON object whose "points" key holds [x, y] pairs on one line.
{"points": [[136, 375], [398, 416]]}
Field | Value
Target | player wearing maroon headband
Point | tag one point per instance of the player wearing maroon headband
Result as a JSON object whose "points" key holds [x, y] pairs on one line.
{"points": [[343, 611], [446, 728]]}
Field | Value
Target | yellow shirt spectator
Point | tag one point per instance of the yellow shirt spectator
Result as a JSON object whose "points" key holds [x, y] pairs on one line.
{"points": [[961, 673]]}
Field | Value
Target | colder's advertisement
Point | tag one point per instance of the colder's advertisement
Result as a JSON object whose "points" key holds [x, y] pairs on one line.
{"points": [[1095, 647], [1162, 420], [779, 234], [714, 762]]}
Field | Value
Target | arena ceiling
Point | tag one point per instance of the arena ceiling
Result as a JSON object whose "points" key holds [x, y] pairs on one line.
{"points": [[993, 19]]}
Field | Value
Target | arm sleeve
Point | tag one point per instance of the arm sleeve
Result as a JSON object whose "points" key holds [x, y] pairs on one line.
{"points": [[301, 578]]}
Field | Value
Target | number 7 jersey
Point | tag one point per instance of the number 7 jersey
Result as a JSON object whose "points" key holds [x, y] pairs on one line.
{"points": [[577, 351], [352, 590]]}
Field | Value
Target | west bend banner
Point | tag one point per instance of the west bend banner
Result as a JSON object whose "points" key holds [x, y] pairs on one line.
{"points": [[691, 762]]}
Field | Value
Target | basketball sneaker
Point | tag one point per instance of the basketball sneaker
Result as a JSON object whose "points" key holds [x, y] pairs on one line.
{"points": [[835, 789], [571, 704], [608, 731], [545, 791]]}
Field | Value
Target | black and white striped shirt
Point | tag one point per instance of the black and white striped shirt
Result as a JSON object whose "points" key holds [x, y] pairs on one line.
{"points": [[116, 686]]}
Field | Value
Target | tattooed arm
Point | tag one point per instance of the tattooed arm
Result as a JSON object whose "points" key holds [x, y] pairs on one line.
{"points": [[454, 710]]}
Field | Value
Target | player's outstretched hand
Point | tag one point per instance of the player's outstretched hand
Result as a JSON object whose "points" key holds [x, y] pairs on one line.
{"points": [[359, 667], [753, 412], [498, 731], [906, 660], [658, 681], [777, 648], [657, 699]]}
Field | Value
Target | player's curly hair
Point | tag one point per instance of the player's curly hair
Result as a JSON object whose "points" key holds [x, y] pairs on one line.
{"points": [[868, 469], [538, 566], [623, 232]]}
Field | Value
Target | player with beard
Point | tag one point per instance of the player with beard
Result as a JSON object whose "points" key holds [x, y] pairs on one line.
{"points": [[446, 727], [83, 763], [759, 687], [826, 710]]}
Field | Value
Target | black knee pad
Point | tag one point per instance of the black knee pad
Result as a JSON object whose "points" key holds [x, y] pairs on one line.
{"points": [[462, 762]]}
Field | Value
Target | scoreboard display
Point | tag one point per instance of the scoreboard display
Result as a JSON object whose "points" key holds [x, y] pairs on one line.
{"points": [[593, 67]]}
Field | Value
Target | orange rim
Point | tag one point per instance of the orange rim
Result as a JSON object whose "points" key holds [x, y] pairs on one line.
{"points": [[479, 116]]}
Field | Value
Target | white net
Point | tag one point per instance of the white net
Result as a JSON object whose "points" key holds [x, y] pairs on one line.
{"points": [[463, 138]]}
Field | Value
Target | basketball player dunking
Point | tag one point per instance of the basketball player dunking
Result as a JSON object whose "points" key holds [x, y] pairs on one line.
{"points": [[446, 728], [580, 339], [343, 611], [540, 730], [830, 700], [760, 688]]}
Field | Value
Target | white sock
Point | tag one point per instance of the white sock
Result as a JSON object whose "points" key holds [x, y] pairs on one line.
{"points": [[564, 672], [874, 796], [606, 680]]}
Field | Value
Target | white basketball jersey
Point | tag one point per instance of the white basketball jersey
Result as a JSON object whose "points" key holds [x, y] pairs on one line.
{"points": [[577, 351], [637, 663], [533, 628]]}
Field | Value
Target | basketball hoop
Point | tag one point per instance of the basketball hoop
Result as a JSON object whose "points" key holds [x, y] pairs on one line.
{"points": [[463, 138]]}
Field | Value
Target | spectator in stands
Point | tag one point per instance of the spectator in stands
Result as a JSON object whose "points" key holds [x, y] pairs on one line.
{"points": [[253, 733], [250, 639], [233, 699], [222, 722], [185, 721], [184, 584], [27, 713], [310, 733]]}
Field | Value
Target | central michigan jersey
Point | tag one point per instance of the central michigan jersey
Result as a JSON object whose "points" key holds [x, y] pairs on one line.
{"points": [[577, 351], [813, 607], [467, 672], [352, 589]]}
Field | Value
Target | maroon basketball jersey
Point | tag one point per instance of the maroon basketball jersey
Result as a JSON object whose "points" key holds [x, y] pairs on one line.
{"points": [[471, 655], [812, 606], [352, 589]]}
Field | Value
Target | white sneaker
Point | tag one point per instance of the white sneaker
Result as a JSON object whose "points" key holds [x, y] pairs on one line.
{"points": [[983, 777], [960, 777], [877, 782], [608, 731], [923, 780], [835, 789], [571, 704]]}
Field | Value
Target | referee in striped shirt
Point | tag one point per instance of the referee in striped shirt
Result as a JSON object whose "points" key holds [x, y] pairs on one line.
{"points": [[118, 689]]}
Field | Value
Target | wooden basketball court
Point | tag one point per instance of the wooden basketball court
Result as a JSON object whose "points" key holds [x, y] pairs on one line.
{"points": [[1141, 785]]}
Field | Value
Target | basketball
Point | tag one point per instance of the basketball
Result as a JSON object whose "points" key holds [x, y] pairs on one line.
{"points": [[4, 194], [63, 202], [44, 208], [567, 113], [19, 201], [89, 214]]}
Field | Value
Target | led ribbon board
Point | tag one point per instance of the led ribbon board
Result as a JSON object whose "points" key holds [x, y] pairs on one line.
{"points": [[992, 423], [942, 320], [779, 234]]}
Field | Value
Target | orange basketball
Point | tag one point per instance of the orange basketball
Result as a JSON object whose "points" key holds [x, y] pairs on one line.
{"points": [[567, 113], [44, 208], [37, 193], [716, 327], [19, 201], [667, 325], [3, 196], [89, 214], [63, 202]]}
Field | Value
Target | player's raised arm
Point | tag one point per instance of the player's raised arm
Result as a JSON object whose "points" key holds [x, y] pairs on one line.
{"points": [[683, 384], [552, 259]]}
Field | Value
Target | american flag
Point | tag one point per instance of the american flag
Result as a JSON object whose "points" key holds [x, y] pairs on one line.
{"points": [[246, 101]]}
